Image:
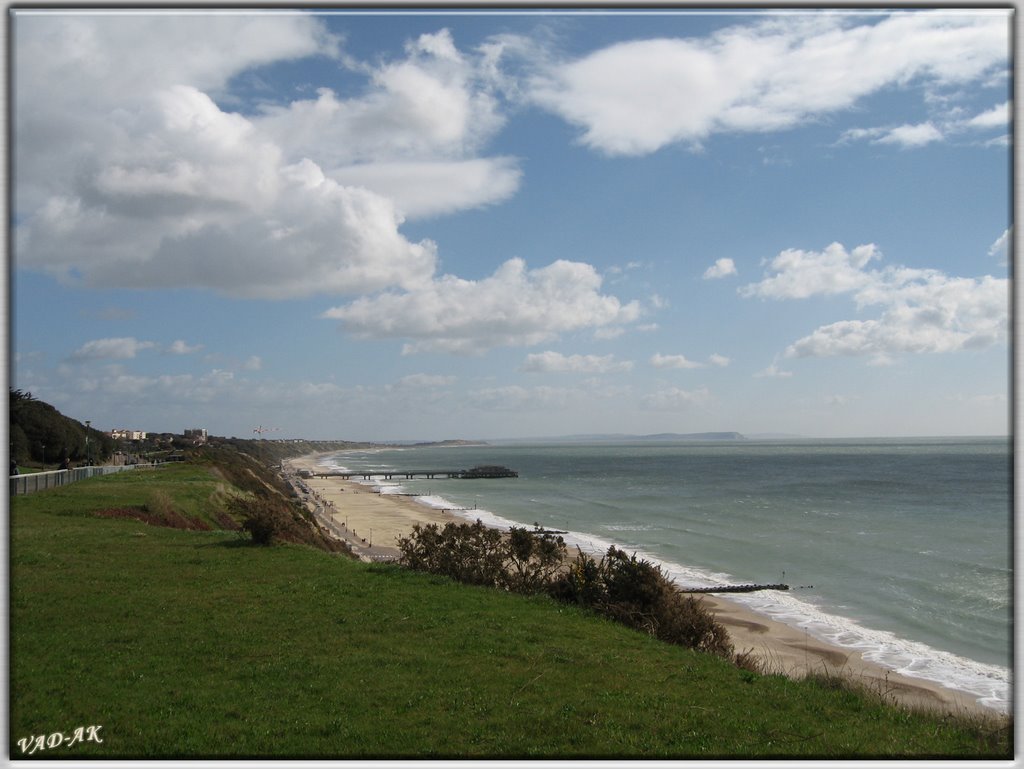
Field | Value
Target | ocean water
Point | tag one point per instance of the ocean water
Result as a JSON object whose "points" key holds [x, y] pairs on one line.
{"points": [[898, 548]]}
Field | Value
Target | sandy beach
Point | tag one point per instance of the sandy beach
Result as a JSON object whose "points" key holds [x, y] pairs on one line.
{"points": [[372, 523]]}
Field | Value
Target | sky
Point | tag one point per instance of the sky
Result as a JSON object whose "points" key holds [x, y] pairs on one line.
{"points": [[420, 225]]}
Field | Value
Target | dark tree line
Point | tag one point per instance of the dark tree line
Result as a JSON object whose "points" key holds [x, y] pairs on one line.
{"points": [[39, 433]]}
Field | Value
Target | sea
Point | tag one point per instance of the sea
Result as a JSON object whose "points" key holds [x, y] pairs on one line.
{"points": [[900, 549]]}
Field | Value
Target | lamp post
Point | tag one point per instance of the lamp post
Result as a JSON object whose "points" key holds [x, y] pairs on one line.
{"points": [[44, 457], [88, 424]]}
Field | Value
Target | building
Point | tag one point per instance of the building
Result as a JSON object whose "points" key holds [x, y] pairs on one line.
{"points": [[197, 435], [128, 435]]}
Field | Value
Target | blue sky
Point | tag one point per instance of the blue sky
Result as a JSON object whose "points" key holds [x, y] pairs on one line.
{"points": [[405, 226]]}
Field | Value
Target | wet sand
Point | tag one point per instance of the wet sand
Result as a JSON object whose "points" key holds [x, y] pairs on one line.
{"points": [[372, 524]]}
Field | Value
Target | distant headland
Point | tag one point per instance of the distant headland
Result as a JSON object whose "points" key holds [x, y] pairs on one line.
{"points": [[656, 437]]}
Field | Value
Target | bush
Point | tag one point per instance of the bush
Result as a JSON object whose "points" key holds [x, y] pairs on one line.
{"points": [[638, 594], [263, 520], [628, 590], [475, 554]]}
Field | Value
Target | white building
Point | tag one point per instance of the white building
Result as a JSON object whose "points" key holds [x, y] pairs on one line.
{"points": [[128, 435]]}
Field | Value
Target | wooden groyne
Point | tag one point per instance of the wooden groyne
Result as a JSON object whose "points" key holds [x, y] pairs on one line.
{"points": [[735, 588]]}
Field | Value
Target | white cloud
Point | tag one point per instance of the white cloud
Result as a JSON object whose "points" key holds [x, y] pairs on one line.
{"points": [[436, 102], [180, 347], [131, 173], [550, 361], [253, 363], [797, 274], [905, 136], [673, 361], [431, 188], [922, 310], [997, 117], [205, 202], [119, 348], [412, 136], [682, 362], [635, 97], [1000, 248], [720, 269], [513, 307], [773, 372], [675, 399], [912, 135]]}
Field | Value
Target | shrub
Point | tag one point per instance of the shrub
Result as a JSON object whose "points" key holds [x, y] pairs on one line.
{"points": [[533, 560], [628, 590], [262, 519], [638, 594], [479, 555]]}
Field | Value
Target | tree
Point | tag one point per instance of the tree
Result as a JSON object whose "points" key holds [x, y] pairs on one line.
{"points": [[35, 424]]}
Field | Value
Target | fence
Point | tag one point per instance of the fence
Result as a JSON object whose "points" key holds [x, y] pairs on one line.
{"points": [[30, 482]]}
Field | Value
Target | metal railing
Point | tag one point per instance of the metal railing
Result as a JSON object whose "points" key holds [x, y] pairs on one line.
{"points": [[51, 479]]}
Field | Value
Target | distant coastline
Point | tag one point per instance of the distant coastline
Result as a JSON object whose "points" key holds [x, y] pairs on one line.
{"points": [[627, 437]]}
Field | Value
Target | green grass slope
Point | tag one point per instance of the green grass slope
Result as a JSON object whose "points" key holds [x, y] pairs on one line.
{"points": [[200, 645]]}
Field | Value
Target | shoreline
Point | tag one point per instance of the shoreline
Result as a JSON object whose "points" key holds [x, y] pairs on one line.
{"points": [[372, 522]]}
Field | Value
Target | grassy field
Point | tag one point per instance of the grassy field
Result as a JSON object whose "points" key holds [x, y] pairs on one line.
{"points": [[200, 645]]}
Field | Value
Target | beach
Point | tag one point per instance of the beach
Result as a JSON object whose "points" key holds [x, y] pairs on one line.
{"points": [[372, 523]]}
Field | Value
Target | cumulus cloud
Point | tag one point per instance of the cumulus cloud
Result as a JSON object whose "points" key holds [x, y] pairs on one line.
{"points": [[922, 310], [798, 274], [413, 137], [513, 307], [635, 97], [118, 348], [912, 135], [720, 269], [673, 361], [550, 361], [436, 101], [431, 188], [133, 173], [682, 362], [205, 202]]}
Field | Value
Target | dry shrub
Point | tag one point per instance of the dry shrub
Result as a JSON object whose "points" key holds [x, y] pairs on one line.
{"points": [[269, 519], [169, 518]]}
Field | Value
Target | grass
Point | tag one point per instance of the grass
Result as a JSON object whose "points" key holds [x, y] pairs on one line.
{"points": [[199, 645]]}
